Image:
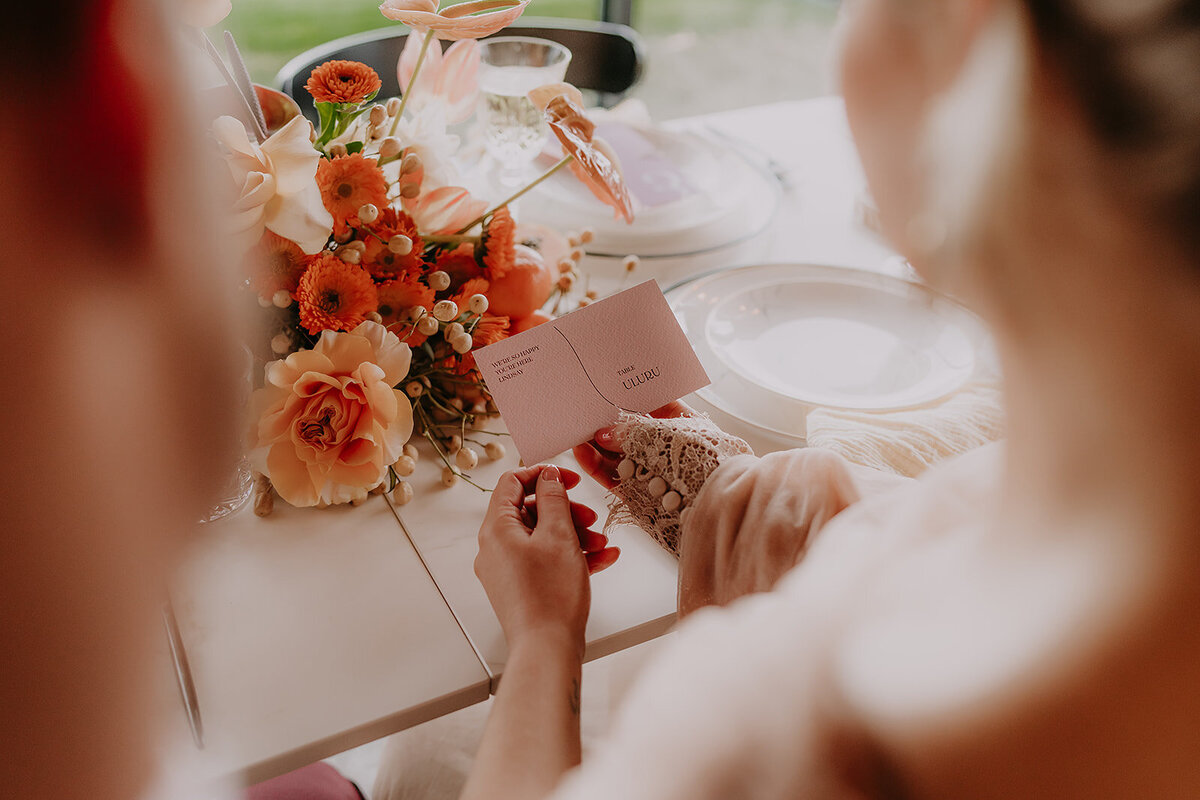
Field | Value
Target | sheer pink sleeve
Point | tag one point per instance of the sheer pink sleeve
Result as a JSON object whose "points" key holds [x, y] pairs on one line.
{"points": [[736, 522]]}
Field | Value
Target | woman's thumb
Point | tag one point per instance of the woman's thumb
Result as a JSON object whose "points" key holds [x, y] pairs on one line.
{"points": [[553, 506]]}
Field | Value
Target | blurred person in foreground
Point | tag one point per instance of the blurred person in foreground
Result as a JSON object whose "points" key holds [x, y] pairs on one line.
{"points": [[1020, 622], [119, 383]]}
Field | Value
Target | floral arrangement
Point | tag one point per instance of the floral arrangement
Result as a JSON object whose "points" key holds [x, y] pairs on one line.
{"points": [[378, 274]]}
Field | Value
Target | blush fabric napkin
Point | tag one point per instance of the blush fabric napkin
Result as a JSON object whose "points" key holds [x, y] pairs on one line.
{"points": [[910, 441]]}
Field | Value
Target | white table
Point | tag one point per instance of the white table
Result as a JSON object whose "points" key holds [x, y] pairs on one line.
{"points": [[314, 631]]}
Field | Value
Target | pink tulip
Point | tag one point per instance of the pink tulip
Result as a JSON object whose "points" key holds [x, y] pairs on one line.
{"points": [[451, 77], [461, 21]]}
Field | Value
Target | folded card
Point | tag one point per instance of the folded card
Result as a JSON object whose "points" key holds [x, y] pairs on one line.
{"points": [[556, 384]]}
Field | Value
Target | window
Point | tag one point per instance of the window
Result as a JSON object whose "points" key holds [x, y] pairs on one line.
{"points": [[702, 55]]}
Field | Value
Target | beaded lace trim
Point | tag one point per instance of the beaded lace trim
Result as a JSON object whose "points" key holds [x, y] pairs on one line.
{"points": [[666, 463]]}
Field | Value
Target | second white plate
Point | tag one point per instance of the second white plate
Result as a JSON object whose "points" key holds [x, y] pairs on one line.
{"points": [[779, 340]]}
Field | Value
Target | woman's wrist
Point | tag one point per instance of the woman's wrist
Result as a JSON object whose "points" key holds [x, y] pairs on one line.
{"points": [[549, 641]]}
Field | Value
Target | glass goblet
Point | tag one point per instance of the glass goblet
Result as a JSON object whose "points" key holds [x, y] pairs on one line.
{"points": [[514, 130]]}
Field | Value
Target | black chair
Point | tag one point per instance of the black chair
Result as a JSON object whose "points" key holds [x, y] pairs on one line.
{"points": [[617, 11], [606, 58]]}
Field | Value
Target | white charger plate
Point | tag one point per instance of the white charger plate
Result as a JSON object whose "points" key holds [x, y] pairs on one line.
{"points": [[779, 340], [691, 195]]}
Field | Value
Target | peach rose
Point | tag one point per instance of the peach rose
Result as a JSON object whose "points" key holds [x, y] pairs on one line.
{"points": [[329, 422]]}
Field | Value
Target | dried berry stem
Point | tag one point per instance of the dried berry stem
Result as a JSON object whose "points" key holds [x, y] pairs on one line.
{"points": [[512, 198]]}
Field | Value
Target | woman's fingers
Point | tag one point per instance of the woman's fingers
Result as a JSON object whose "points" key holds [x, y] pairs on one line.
{"points": [[581, 515], [608, 439], [602, 560], [600, 465], [590, 541], [553, 506], [570, 477], [582, 518], [673, 409], [551, 511], [528, 477], [508, 498], [514, 486]]}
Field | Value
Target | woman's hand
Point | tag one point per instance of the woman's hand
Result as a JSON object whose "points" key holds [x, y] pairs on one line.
{"points": [[535, 555], [600, 457]]}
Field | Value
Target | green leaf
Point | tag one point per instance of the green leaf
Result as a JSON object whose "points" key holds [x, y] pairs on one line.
{"points": [[324, 113], [327, 115], [354, 147], [345, 120]]}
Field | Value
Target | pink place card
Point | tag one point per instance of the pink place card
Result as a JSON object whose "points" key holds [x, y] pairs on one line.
{"points": [[556, 384]]}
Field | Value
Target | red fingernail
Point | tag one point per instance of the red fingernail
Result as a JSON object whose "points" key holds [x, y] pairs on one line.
{"points": [[551, 474]]}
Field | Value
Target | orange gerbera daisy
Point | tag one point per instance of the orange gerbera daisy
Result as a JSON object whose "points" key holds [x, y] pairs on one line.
{"points": [[343, 82], [460, 264], [470, 287], [348, 183], [399, 296], [488, 330], [497, 243], [334, 295], [381, 261], [277, 263]]}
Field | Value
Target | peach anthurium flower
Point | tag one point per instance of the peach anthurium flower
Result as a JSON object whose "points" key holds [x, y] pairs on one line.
{"points": [[470, 20], [279, 191], [443, 210], [594, 161], [542, 95], [328, 421], [451, 78]]}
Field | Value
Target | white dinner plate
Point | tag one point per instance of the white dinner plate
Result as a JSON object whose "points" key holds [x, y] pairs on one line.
{"points": [[691, 194], [780, 340]]}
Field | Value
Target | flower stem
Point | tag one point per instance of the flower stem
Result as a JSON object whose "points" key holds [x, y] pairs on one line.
{"points": [[412, 82], [454, 238], [437, 448], [512, 197]]}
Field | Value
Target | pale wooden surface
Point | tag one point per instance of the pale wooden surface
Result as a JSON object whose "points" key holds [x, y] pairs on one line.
{"points": [[312, 631], [632, 601]]}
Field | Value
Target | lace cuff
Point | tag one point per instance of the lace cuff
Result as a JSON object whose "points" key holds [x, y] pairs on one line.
{"points": [[666, 462]]}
